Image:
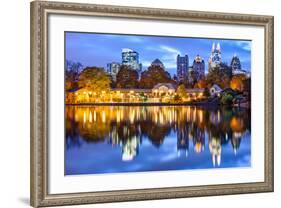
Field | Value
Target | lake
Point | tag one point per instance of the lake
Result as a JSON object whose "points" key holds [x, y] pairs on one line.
{"points": [[116, 139]]}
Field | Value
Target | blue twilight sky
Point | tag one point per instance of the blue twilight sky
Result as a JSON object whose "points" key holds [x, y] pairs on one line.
{"points": [[92, 49]]}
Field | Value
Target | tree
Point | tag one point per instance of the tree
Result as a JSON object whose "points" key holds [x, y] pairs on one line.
{"points": [[94, 79], [247, 84], [206, 93], [247, 88], [69, 83], [192, 78], [143, 96], [175, 78], [201, 84], [154, 75], [238, 82], [73, 66], [127, 77], [177, 98], [226, 99], [181, 91], [220, 75], [71, 77]]}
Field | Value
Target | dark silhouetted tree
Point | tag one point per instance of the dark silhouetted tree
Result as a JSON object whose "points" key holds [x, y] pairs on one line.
{"points": [[220, 75], [127, 78], [154, 75]]}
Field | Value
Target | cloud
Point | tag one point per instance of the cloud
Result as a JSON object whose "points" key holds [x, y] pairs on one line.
{"points": [[168, 55], [170, 49], [169, 61], [134, 39], [163, 49], [146, 63], [119, 37], [246, 46]]}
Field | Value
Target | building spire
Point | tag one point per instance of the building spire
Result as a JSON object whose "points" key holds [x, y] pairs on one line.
{"points": [[213, 47], [218, 47]]}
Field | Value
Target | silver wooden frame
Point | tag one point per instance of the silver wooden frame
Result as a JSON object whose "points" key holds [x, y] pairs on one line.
{"points": [[39, 103]]}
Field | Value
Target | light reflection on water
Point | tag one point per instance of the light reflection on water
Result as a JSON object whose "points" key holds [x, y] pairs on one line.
{"points": [[111, 139]]}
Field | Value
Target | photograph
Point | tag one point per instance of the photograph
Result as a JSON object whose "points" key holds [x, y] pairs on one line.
{"points": [[140, 103], [134, 103]]}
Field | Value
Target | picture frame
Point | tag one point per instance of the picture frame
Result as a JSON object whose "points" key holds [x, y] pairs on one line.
{"points": [[40, 103]]}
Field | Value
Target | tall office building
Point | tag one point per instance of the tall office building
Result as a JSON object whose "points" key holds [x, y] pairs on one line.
{"points": [[113, 69], [182, 68], [131, 58], [235, 63], [157, 62], [199, 67], [236, 66], [215, 58]]}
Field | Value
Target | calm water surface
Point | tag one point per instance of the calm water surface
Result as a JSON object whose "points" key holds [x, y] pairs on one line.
{"points": [[114, 139]]}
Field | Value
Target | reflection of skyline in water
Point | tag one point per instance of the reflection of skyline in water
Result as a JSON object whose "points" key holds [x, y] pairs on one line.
{"points": [[152, 132]]}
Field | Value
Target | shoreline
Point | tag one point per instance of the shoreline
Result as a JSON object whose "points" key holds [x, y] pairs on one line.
{"points": [[138, 104], [199, 104]]}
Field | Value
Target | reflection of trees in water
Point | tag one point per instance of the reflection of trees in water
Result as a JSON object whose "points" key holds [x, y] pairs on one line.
{"points": [[156, 134], [231, 126], [71, 130], [126, 126]]}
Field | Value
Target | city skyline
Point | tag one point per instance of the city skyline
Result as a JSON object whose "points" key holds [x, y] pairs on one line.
{"points": [[126, 112], [81, 47]]}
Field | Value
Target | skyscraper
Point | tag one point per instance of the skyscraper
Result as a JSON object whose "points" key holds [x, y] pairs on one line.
{"points": [[131, 58], [113, 69], [199, 67], [215, 58], [157, 62], [236, 66], [235, 63], [182, 68]]}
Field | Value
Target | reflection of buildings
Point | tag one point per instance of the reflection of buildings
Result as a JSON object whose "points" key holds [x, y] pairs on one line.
{"points": [[215, 117], [130, 148], [235, 142], [215, 150], [113, 69], [182, 140], [237, 126], [182, 67], [131, 58], [125, 127], [199, 140]]}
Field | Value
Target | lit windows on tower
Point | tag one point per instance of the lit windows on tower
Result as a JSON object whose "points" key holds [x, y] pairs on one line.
{"points": [[235, 63], [182, 67], [131, 58], [199, 67], [215, 58], [113, 69]]}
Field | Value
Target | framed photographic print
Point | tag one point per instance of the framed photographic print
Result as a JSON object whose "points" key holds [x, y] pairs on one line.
{"points": [[141, 103]]}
